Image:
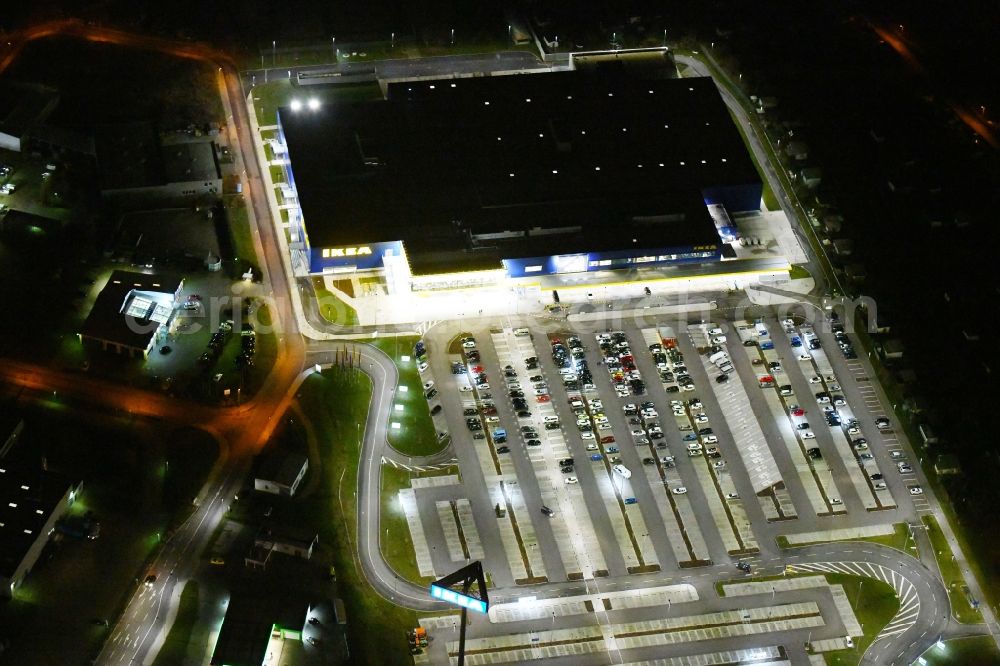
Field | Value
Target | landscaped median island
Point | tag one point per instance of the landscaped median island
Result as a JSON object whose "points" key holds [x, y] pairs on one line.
{"points": [[951, 574], [415, 435], [866, 606]]}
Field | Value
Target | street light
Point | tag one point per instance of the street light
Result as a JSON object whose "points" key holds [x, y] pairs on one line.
{"points": [[274, 52], [452, 36]]}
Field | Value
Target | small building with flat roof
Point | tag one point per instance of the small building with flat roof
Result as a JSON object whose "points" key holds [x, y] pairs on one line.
{"points": [[280, 472], [131, 310], [256, 624], [133, 159]]}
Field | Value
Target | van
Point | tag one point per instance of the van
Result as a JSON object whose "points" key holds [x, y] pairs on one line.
{"points": [[521, 332], [719, 339], [715, 331], [717, 357]]}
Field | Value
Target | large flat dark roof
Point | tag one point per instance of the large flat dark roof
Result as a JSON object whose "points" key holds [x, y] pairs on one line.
{"points": [[606, 157], [108, 322]]}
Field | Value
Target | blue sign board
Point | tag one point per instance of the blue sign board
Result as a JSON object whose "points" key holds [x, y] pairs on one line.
{"points": [[459, 599]]}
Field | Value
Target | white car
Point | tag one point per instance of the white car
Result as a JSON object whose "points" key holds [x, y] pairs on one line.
{"points": [[622, 471], [710, 439], [815, 380], [421, 366], [679, 490], [638, 433], [592, 447], [484, 386], [916, 490], [469, 344], [719, 464], [805, 357], [464, 388], [587, 435], [701, 418], [541, 391], [685, 428], [570, 480], [732, 496], [808, 434]]}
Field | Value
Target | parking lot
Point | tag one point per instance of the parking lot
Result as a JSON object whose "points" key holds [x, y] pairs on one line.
{"points": [[603, 454]]}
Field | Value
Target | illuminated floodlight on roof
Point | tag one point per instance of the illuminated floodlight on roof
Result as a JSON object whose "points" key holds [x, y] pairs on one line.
{"points": [[296, 105], [313, 104], [597, 168]]}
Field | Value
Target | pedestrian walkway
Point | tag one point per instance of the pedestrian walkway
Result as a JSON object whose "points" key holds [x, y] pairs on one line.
{"points": [[840, 534], [555, 643], [537, 609], [768, 654], [434, 481], [408, 500]]}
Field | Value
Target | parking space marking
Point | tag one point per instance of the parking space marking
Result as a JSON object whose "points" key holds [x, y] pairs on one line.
{"points": [[450, 528], [408, 501], [859, 470], [468, 525]]}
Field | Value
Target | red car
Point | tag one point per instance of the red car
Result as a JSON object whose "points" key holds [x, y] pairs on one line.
{"points": [[542, 398], [608, 439], [477, 369], [798, 411]]}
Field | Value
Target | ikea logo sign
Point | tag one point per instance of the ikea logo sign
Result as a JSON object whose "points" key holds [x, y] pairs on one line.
{"points": [[332, 253]]}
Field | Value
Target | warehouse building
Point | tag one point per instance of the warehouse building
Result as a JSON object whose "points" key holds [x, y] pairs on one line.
{"points": [[32, 501], [511, 177]]}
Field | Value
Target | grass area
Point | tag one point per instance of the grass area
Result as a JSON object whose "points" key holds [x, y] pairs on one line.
{"points": [[239, 229], [951, 573], [972, 651], [269, 96], [396, 545], [899, 539], [416, 435], [335, 401], [175, 646], [799, 272], [331, 307]]}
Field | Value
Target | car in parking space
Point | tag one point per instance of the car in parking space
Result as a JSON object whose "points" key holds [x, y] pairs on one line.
{"points": [[607, 439], [839, 401], [648, 461], [798, 411], [570, 480], [701, 418], [785, 389], [592, 447], [631, 500], [566, 469], [547, 511], [916, 490], [533, 442], [667, 459], [503, 449], [587, 435], [732, 496], [860, 444], [679, 490], [876, 476], [808, 434], [814, 453], [802, 426], [524, 414], [853, 430], [896, 455], [719, 464], [882, 423], [622, 471], [904, 468], [706, 431], [879, 485], [690, 437], [612, 449], [478, 435]]}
